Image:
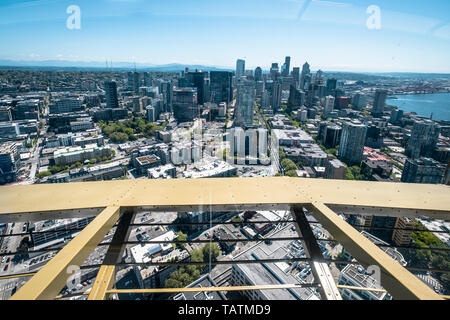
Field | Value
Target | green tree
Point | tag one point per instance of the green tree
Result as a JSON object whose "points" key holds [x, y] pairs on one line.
{"points": [[210, 249], [181, 237], [349, 175], [281, 154], [288, 165], [292, 173], [173, 283]]}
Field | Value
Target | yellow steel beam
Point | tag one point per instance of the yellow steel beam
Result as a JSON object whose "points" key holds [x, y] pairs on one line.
{"points": [[23, 275], [21, 200], [106, 276], [398, 281], [103, 282], [49, 281], [210, 289]]}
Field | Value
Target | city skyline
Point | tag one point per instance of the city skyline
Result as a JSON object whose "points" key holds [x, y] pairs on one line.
{"points": [[332, 36]]}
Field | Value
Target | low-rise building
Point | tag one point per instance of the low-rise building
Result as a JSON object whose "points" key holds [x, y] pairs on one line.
{"points": [[71, 155], [163, 172]]}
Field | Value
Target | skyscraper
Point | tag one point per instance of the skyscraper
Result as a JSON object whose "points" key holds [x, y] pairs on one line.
{"points": [[134, 81], [329, 105], [286, 69], [274, 71], [305, 72], [240, 68], [167, 92], [112, 102], [296, 98], [296, 76], [379, 103], [221, 86], [245, 103], [331, 87], [276, 95], [352, 142], [197, 80], [359, 101], [424, 137], [258, 74], [185, 104]]}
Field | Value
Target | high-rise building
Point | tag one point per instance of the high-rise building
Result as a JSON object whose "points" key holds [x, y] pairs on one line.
{"points": [[331, 87], [305, 78], [167, 92], [286, 69], [296, 76], [258, 74], [185, 104], [374, 138], [332, 136], [424, 137], [266, 100], [379, 103], [329, 105], [423, 170], [245, 103], [259, 88], [221, 86], [197, 80], [296, 98], [240, 68], [134, 81], [112, 102], [353, 138], [274, 70], [359, 101], [396, 116], [276, 95]]}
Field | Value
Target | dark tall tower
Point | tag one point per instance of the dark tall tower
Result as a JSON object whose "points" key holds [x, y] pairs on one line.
{"points": [[221, 86], [112, 102], [258, 74], [379, 103], [197, 80], [331, 87], [286, 67]]}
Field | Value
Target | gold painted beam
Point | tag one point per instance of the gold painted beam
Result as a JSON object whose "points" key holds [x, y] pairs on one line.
{"points": [[103, 282], [398, 281], [106, 277], [23, 275], [20, 201], [49, 281]]}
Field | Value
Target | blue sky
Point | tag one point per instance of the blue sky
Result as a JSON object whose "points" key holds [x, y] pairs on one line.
{"points": [[332, 35]]}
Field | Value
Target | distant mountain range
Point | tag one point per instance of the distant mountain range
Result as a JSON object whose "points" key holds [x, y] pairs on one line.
{"points": [[65, 64], [177, 67]]}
